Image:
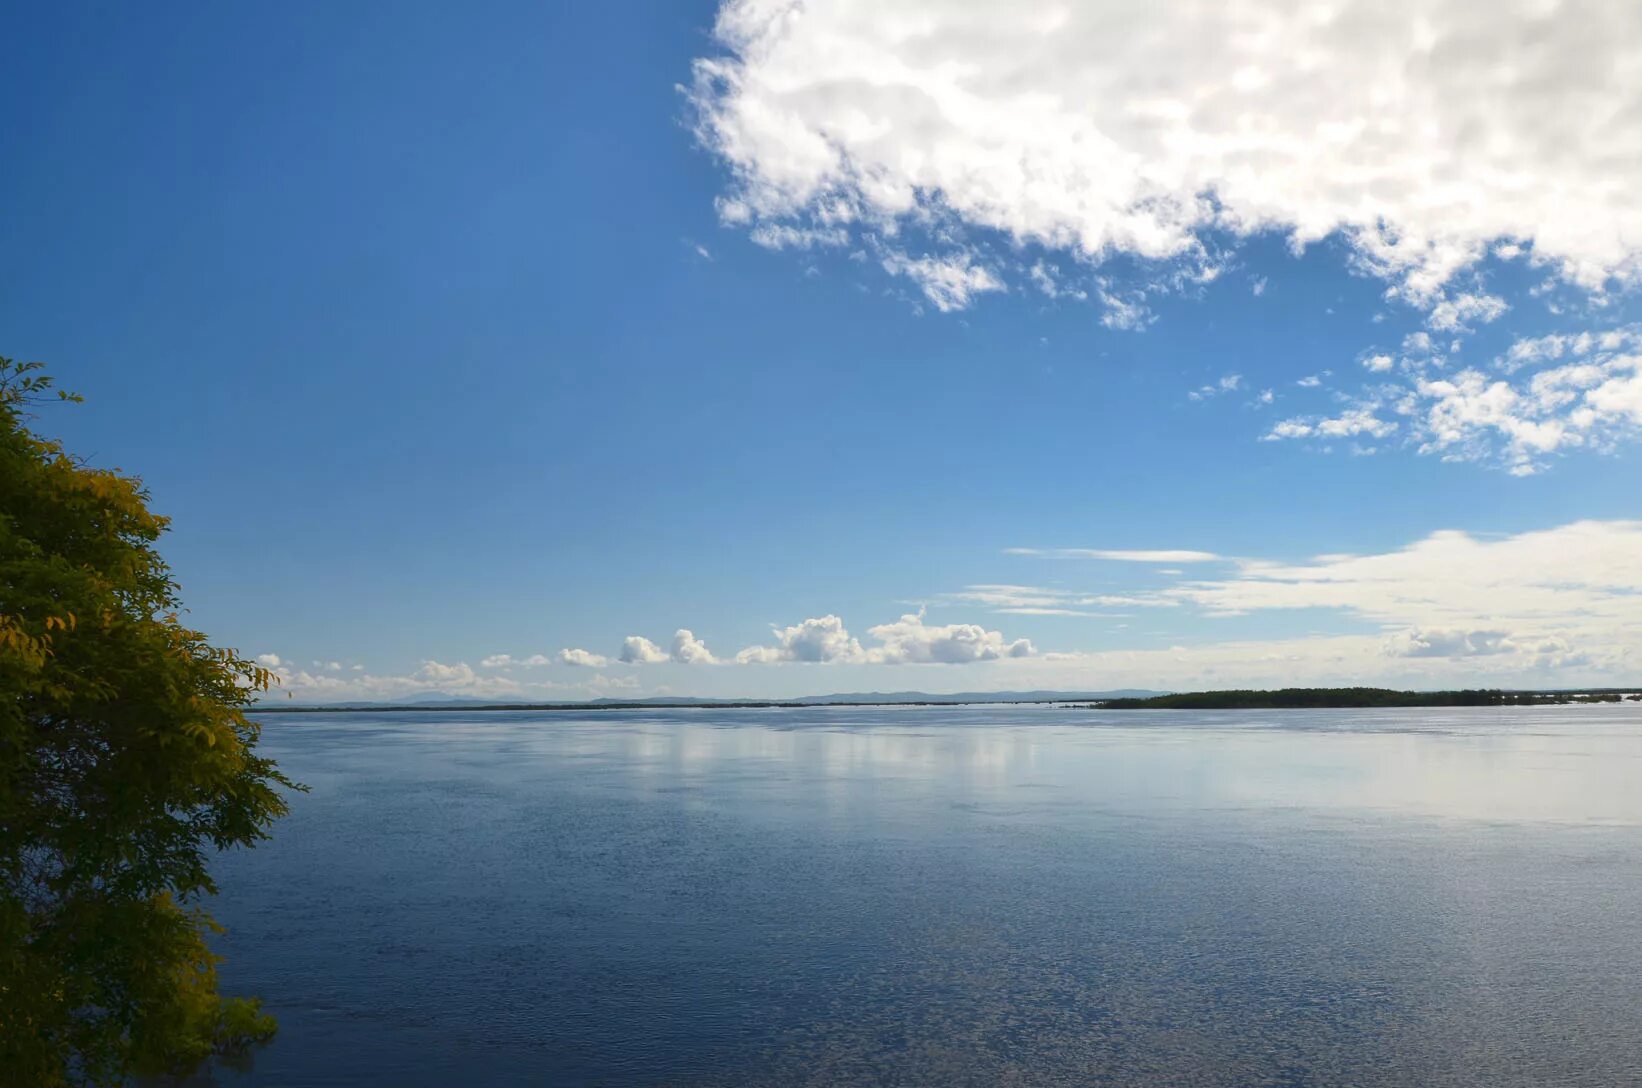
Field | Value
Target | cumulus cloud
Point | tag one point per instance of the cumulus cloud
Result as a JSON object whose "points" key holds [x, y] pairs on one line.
{"points": [[460, 675], [909, 640], [1427, 134], [582, 658], [906, 641], [638, 650], [819, 640], [686, 649], [690, 650]]}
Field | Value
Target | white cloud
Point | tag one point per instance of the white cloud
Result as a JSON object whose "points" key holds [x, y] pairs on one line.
{"points": [[431, 677], [781, 236], [1417, 642], [582, 658], [820, 640], [907, 641], [459, 675], [690, 650], [1593, 400], [950, 281], [1123, 310], [1310, 381], [1545, 395], [1048, 279], [269, 661], [1452, 314], [1427, 134], [1031, 600], [1350, 423], [1258, 287], [1581, 582], [1227, 384], [1545, 607], [503, 661], [686, 649], [1289, 428], [1123, 555], [638, 650]]}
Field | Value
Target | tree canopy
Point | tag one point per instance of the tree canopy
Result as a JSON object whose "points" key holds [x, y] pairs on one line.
{"points": [[126, 759]]}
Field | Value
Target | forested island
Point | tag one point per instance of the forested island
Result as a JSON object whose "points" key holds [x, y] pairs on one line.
{"points": [[1307, 698]]}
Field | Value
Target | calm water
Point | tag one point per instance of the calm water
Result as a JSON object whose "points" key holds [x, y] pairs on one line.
{"points": [[949, 897]]}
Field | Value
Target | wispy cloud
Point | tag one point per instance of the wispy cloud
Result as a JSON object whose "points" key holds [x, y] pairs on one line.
{"points": [[1122, 555]]}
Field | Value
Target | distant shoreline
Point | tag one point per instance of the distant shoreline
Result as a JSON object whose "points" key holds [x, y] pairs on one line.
{"points": [[1281, 699], [1363, 699], [728, 705]]}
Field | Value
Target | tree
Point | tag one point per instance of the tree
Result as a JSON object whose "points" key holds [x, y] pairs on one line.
{"points": [[125, 758]]}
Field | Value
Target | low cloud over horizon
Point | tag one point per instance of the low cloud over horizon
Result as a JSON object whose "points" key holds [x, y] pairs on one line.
{"points": [[1548, 607]]}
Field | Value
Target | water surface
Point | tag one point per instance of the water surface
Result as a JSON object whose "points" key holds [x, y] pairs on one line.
{"points": [[939, 896]]}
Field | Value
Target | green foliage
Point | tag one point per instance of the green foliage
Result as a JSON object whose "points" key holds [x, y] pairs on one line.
{"points": [[125, 758]]}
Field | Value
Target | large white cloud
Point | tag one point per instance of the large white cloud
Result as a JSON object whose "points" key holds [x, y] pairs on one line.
{"points": [[1421, 131]]}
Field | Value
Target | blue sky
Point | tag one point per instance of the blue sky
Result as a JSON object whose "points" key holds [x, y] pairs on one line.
{"points": [[448, 337]]}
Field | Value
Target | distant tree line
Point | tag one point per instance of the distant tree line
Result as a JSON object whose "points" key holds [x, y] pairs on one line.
{"points": [[1304, 698]]}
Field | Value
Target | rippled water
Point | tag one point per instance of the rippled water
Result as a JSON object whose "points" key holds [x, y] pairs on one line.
{"points": [[976, 896]]}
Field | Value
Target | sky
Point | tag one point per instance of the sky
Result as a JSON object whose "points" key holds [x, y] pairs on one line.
{"points": [[768, 348]]}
